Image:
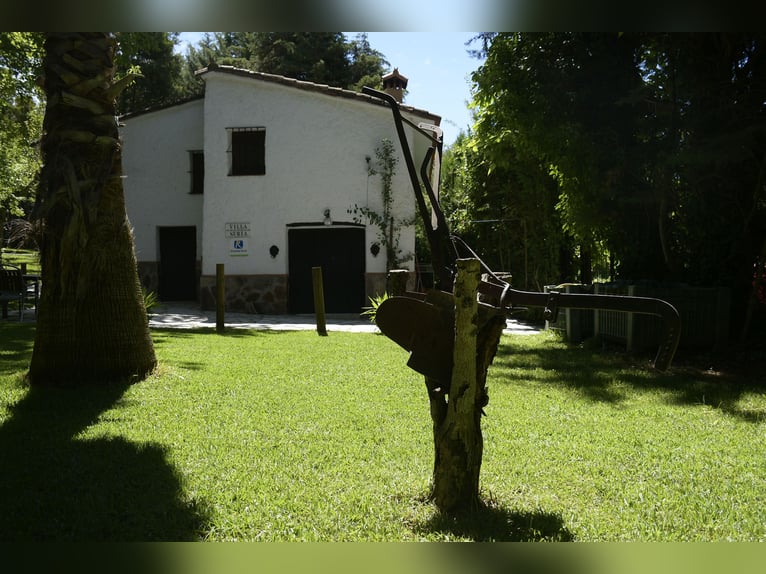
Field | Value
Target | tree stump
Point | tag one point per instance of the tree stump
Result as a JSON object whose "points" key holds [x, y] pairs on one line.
{"points": [[456, 414]]}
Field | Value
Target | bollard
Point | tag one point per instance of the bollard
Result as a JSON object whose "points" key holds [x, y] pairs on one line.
{"points": [[220, 285], [316, 276]]}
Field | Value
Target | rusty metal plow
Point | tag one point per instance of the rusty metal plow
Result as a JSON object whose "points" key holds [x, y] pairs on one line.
{"points": [[423, 323]]}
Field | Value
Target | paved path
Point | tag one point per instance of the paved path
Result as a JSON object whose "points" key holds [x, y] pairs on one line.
{"points": [[189, 316]]}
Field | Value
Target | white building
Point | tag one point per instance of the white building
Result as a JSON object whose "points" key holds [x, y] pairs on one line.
{"points": [[259, 175]]}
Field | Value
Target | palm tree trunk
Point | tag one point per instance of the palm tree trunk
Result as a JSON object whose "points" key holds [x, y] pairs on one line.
{"points": [[91, 325]]}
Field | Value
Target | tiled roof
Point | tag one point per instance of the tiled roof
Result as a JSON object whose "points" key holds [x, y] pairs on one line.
{"points": [[312, 87], [129, 115]]}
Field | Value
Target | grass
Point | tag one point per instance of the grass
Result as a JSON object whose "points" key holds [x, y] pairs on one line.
{"points": [[265, 436], [19, 256]]}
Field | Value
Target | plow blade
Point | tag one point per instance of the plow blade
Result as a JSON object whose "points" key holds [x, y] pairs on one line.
{"points": [[419, 327], [423, 324]]}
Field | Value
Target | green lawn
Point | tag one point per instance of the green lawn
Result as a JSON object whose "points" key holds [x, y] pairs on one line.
{"points": [[19, 256], [291, 436]]}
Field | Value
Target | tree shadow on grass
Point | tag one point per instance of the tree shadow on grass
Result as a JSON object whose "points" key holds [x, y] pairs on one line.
{"points": [[55, 486], [592, 368], [589, 373], [490, 522], [160, 333]]}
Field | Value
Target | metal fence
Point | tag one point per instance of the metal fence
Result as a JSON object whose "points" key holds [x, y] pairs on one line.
{"points": [[704, 315]]}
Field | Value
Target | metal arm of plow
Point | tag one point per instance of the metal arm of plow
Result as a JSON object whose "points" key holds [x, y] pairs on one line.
{"points": [[446, 248], [443, 253], [441, 221], [671, 320], [505, 297]]}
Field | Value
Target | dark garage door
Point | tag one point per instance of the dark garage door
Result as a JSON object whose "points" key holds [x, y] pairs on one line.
{"points": [[340, 254], [178, 270]]}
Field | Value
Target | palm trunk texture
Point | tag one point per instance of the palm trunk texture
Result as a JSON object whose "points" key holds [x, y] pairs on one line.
{"points": [[91, 325]]}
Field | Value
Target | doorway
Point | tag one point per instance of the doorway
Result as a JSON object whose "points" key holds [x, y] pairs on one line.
{"points": [[178, 264], [340, 254]]}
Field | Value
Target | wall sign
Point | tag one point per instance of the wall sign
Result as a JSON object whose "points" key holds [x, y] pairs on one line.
{"points": [[237, 233], [237, 229], [237, 247]]}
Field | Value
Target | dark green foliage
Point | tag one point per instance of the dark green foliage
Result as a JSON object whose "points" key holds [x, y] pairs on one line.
{"points": [[655, 143], [371, 311], [507, 214], [21, 116], [319, 57], [152, 55]]}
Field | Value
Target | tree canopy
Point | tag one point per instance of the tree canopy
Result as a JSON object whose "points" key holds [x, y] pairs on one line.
{"points": [[655, 145], [152, 56], [21, 114], [319, 57]]}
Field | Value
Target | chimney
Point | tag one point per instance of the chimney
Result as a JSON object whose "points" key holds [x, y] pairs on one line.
{"points": [[394, 84]]}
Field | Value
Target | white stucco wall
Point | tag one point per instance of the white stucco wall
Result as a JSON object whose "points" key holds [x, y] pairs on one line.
{"points": [[316, 146], [157, 169]]}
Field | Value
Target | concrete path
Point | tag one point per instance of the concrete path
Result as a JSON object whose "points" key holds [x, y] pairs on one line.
{"points": [[189, 316]]}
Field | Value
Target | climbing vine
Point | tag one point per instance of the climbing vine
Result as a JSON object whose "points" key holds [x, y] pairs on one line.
{"points": [[388, 227]]}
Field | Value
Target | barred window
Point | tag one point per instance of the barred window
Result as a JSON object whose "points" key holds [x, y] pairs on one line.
{"points": [[247, 151]]}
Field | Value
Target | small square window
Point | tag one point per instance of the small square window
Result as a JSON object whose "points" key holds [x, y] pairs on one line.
{"points": [[247, 147], [197, 161]]}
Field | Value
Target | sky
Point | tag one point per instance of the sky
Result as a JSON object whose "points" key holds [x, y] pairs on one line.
{"points": [[437, 65]]}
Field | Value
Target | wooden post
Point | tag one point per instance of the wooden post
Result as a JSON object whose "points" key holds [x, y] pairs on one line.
{"points": [[220, 297], [458, 441], [316, 276]]}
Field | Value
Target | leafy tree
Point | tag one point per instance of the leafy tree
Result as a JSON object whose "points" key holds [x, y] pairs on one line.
{"points": [[91, 325], [20, 121], [656, 143], [319, 57], [709, 92], [506, 213], [151, 55], [552, 98], [387, 223], [367, 66], [196, 58]]}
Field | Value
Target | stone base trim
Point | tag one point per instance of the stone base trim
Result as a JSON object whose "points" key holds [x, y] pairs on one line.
{"points": [[257, 294]]}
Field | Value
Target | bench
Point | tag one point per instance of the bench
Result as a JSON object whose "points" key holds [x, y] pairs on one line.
{"points": [[12, 288]]}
